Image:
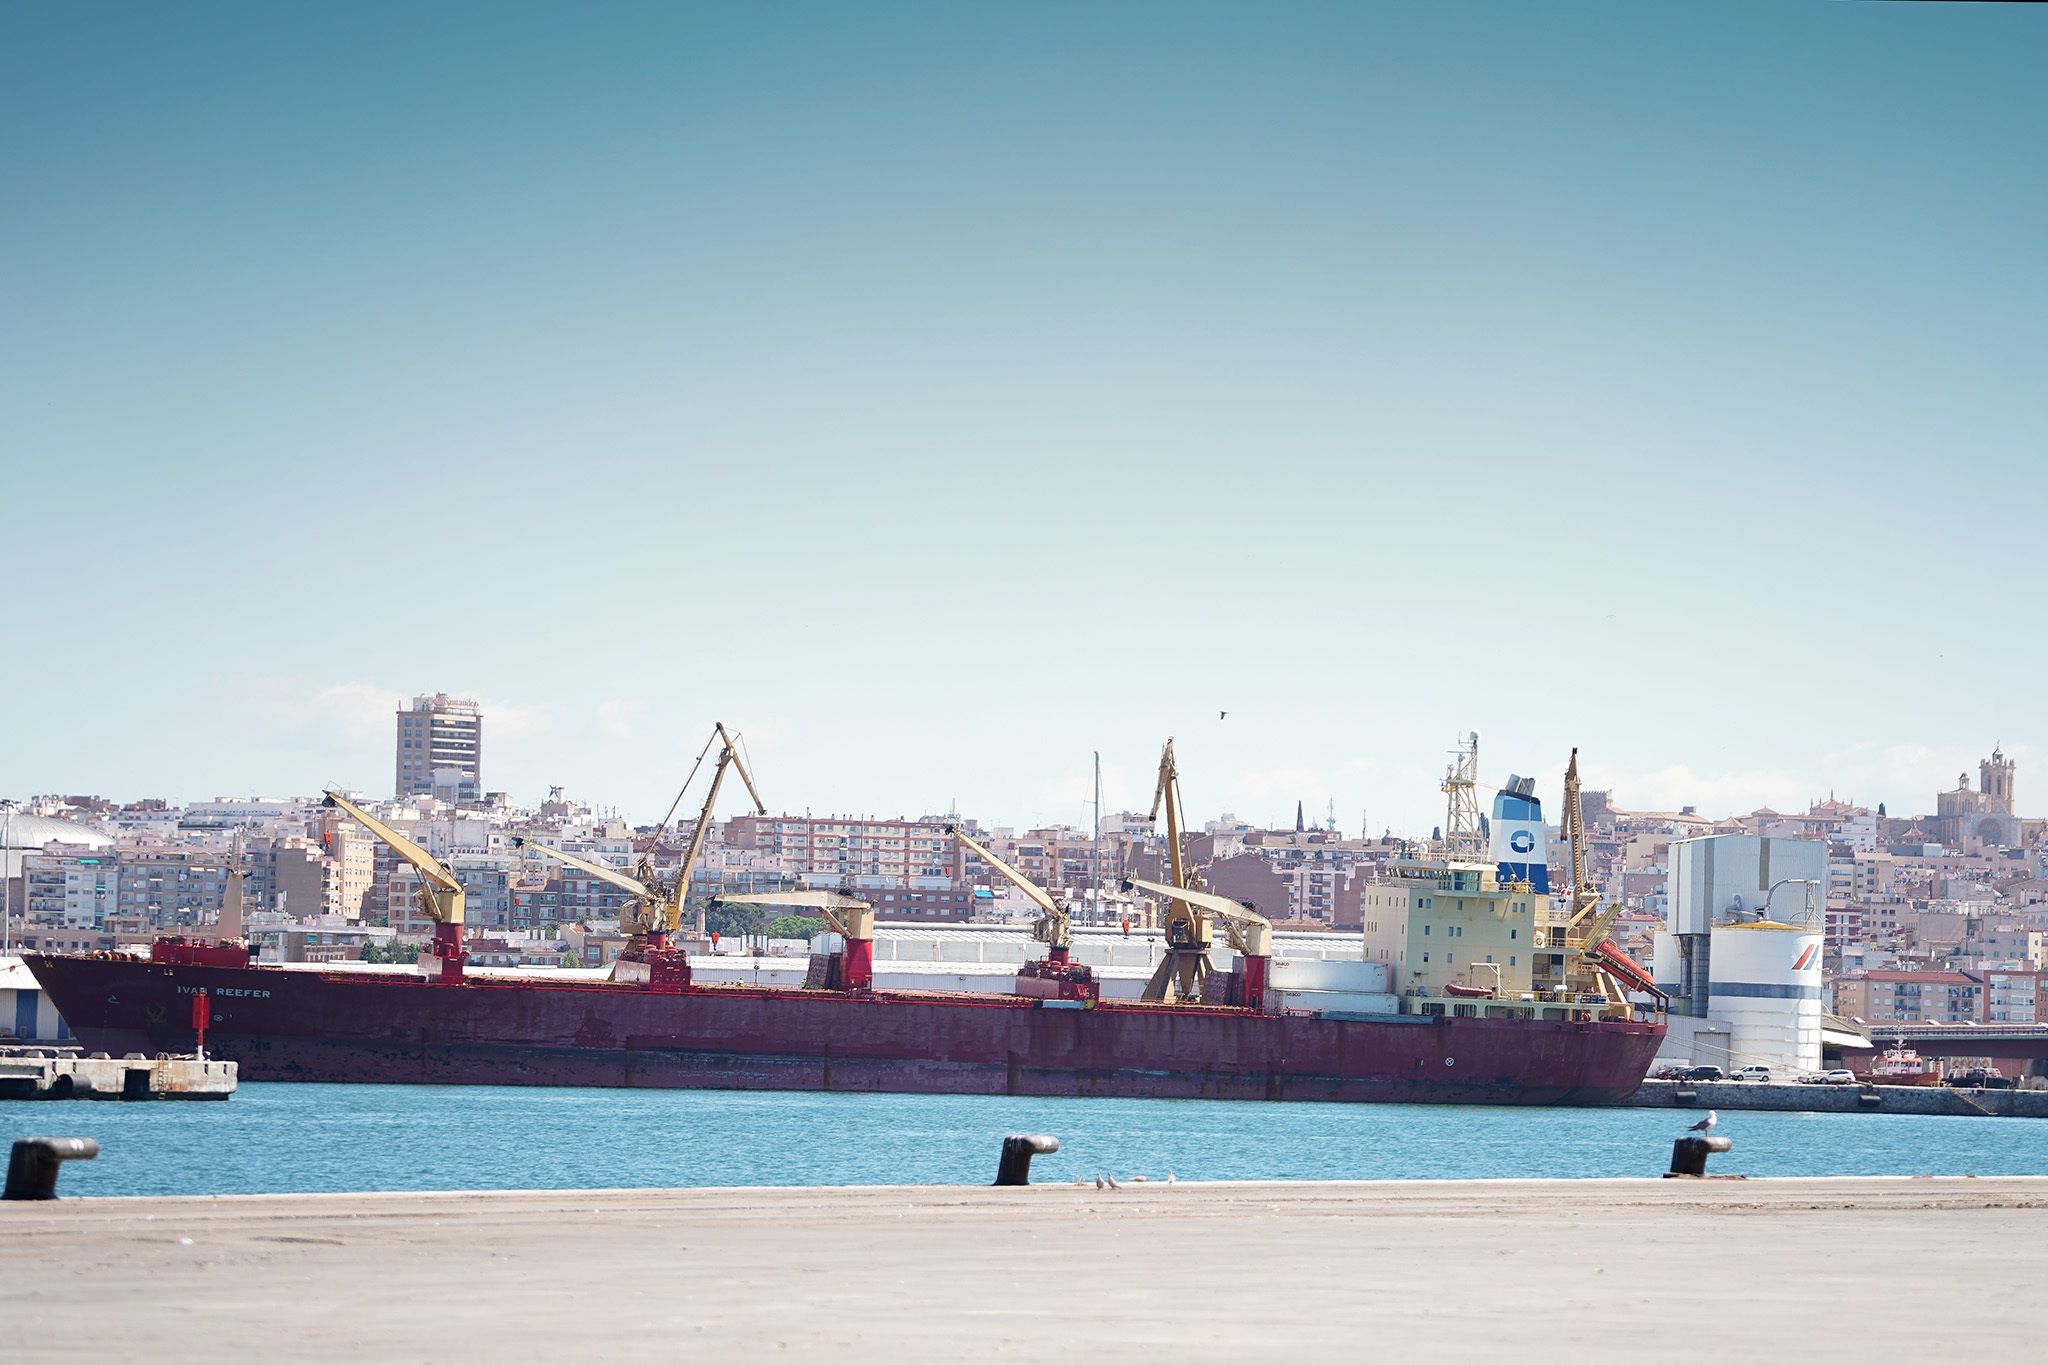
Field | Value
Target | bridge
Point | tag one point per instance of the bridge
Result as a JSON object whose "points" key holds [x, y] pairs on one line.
{"points": [[2017, 1049]]}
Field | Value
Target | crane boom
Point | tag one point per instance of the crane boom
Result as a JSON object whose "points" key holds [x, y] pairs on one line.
{"points": [[1250, 932], [1054, 927], [609, 875], [426, 864], [850, 917], [728, 757], [440, 893]]}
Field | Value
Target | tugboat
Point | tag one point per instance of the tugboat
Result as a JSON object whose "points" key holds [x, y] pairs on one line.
{"points": [[1901, 1065]]}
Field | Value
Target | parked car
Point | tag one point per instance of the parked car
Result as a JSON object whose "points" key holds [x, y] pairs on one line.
{"points": [[1669, 1073], [1753, 1073], [1703, 1073], [1838, 1076]]}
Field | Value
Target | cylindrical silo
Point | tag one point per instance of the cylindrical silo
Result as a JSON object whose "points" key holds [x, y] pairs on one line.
{"points": [[1767, 985]]}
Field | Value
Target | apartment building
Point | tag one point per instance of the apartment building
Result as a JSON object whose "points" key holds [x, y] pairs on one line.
{"points": [[2015, 995], [70, 886], [847, 847], [1902, 997]]}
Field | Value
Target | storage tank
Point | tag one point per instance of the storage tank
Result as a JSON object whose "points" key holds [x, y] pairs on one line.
{"points": [[1767, 986]]}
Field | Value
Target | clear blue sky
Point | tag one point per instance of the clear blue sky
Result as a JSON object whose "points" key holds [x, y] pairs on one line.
{"points": [[942, 392]]}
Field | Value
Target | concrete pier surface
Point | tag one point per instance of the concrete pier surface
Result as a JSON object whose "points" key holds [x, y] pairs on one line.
{"points": [[1495, 1271]]}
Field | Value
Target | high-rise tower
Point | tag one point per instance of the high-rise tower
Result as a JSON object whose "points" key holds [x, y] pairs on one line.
{"points": [[441, 749]]}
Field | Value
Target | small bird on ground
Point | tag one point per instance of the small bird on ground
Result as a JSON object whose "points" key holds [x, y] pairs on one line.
{"points": [[1098, 1180], [1705, 1125], [1113, 1185], [1170, 1177]]}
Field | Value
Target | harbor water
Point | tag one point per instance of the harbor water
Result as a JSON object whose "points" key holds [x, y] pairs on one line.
{"points": [[275, 1138]]}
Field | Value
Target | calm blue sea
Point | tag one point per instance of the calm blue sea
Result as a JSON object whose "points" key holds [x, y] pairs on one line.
{"points": [[282, 1138]]}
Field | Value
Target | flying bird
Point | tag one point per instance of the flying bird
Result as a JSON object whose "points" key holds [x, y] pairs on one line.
{"points": [[1221, 714], [1705, 1125]]}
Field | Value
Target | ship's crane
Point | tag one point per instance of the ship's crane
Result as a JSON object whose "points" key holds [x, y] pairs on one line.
{"points": [[1056, 976], [1250, 932], [1593, 965], [1181, 972], [440, 892], [850, 917], [655, 913]]}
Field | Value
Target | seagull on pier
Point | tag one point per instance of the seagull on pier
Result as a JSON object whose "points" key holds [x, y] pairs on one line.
{"points": [[1098, 1180], [1113, 1185], [1705, 1125]]}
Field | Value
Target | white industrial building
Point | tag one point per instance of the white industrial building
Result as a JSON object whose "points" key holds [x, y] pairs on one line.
{"points": [[26, 1014], [1740, 952]]}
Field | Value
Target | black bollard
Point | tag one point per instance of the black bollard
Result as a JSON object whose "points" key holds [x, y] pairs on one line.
{"points": [[1018, 1149], [33, 1164], [1689, 1154]]}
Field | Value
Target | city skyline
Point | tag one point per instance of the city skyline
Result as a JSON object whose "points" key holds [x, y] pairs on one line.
{"points": [[1121, 793], [942, 397]]}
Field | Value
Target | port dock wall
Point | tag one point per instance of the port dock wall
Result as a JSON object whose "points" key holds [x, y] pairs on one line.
{"points": [[1841, 1099], [51, 1073]]}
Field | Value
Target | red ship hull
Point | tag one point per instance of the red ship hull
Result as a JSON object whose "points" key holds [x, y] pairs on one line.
{"points": [[293, 1025]]}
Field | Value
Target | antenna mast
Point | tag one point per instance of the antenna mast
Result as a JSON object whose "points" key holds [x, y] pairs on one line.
{"points": [[1095, 856], [1461, 792]]}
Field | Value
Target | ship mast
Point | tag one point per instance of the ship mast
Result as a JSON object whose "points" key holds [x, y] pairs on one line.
{"points": [[1461, 798]]}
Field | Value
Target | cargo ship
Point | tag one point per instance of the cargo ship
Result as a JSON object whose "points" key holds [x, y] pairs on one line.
{"points": [[303, 1024], [1200, 1033]]}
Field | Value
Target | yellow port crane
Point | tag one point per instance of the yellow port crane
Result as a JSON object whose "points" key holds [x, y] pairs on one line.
{"points": [[1250, 932], [655, 913], [1180, 973], [1593, 965], [850, 917], [440, 892], [1056, 976]]}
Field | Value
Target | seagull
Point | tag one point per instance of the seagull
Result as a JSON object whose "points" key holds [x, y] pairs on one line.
{"points": [[1170, 1177], [1098, 1180], [1113, 1185], [1705, 1125]]}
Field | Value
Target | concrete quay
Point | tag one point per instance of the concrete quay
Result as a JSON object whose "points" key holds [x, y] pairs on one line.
{"points": [[1484, 1271], [1841, 1099], [54, 1073]]}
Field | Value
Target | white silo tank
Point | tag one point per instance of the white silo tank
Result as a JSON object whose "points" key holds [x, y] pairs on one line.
{"points": [[1767, 985]]}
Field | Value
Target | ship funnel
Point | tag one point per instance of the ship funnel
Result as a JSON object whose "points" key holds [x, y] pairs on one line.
{"points": [[1518, 848]]}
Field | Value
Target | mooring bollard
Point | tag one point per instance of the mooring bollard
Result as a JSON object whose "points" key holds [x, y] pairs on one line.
{"points": [[1689, 1154], [33, 1164], [1018, 1149]]}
